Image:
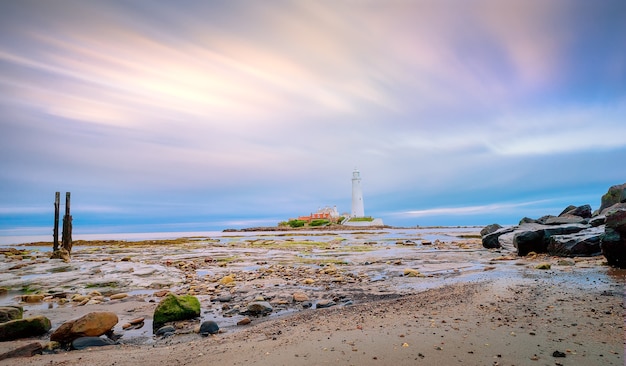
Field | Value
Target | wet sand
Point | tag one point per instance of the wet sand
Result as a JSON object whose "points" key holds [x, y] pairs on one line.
{"points": [[469, 306]]}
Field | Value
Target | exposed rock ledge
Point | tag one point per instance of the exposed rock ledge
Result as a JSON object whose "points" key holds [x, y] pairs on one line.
{"points": [[575, 232]]}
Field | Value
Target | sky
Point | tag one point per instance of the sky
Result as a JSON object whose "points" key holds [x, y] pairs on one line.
{"points": [[204, 115]]}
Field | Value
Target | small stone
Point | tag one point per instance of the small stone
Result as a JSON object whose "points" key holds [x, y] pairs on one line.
{"points": [[87, 342], [543, 265], [118, 296], [244, 321], [300, 297], [164, 330], [308, 281], [209, 327], [227, 279], [137, 321], [32, 298], [410, 272], [558, 354]]}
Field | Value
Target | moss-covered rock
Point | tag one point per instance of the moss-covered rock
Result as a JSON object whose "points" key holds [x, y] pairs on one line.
{"points": [[173, 308], [8, 313], [24, 328]]}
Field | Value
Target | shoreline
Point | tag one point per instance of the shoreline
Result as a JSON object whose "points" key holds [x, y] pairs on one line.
{"points": [[364, 272], [519, 321]]}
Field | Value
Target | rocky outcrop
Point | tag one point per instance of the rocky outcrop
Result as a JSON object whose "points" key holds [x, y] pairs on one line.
{"points": [[574, 232], [92, 324], [583, 243], [24, 328], [174, 308]]}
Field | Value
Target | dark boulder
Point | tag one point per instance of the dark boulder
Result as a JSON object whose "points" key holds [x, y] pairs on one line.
{"points": [[583, 243], [529, 241], [209, 327], [87, 342], [613, 243], [613, 247], [490, 229], [492, 239], [617, 220], [567, 209]]}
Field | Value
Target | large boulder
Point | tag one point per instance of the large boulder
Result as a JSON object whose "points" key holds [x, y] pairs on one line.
{"points": [[529, 241], [8, 313], [614, 195], [491, 240], [613, 243], [174, 308], [583, 243], [24, 328], [92, 324]]}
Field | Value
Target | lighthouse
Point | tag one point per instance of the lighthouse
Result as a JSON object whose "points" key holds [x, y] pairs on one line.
{"points": [[357, 195]]}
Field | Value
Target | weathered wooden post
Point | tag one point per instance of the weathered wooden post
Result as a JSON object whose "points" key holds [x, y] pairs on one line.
{"points": [[55, 243], [67, 226]]}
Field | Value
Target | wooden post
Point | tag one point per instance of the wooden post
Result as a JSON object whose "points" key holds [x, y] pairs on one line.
{"points": [[67, 225], [55, 243]]}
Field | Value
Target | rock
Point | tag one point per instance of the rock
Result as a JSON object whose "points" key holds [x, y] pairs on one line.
{"points": [[32, 298], [24, 328], [3, 291], [226, 280], [536, 237], [324, 304], [583, 211], [300, 297], [613, 196], [583, 243], [62, 254], [529, 241], [8, 313], [492, 240], [410, 272], [244, 321], [616, 220], [567, 209], [544, 265], [490, 229], [86, 342], [224, 298], [28, 350], [527, 220], [259, 308], [165, 330], [92, 324], [209, 327], [118, 296], [173, 308], [613, 244], [565, 219]]}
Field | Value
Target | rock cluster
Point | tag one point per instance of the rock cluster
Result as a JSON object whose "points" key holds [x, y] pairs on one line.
{"points": [[576, 231]]}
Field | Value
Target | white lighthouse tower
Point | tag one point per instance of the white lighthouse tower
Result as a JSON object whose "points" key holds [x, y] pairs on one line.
{"points": [[357, 195]]}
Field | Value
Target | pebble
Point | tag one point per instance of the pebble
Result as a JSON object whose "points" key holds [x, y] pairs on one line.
{"points": [[165, 329], [209, 327], [244, 321]]}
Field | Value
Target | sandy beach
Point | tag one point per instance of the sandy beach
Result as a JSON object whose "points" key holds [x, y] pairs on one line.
{"points": [[468, 306]]}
